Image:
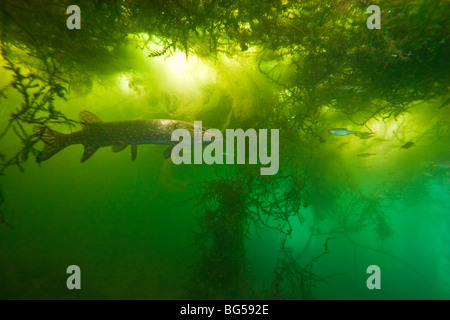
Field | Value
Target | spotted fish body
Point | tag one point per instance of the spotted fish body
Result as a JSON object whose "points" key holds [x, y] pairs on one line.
{"points": [[96, 134]]}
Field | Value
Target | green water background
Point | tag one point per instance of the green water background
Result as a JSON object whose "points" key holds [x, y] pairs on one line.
{"points": [[131, 226]]}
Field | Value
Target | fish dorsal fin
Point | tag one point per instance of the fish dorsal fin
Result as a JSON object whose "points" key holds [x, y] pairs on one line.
{"points": [[88, 152], [87, 117], [133, 152], [119, 146]]}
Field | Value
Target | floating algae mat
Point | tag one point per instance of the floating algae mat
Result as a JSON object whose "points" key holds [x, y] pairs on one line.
{"points": [[224, 150]]}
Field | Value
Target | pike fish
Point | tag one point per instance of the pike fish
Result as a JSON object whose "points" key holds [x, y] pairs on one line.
{"points": [[96, 134]]}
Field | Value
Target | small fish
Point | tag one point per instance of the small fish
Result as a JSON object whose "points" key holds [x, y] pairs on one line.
{"points": [[441, 165], [356, 89], [407, 145], [345, 132], [381, 139], [341, 132], [244, 46], [428, 174], [365, 155]]}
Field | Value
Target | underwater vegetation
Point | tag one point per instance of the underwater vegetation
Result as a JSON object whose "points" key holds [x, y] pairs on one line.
{"points": [[364, 123]]}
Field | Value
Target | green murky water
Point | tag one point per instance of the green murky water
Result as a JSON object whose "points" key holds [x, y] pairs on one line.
{"points": [[150, 229]]}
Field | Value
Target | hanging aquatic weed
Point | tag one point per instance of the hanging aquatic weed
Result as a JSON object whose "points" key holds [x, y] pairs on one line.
{"points": [[153, 53], [359, 213], [288, 273], [335, 61], [235, 208], [274, 201], [38, 91], [221, 272]]}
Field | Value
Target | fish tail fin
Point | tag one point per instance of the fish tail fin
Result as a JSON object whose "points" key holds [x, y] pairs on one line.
{"points": [[363, 135], [54, 142]]}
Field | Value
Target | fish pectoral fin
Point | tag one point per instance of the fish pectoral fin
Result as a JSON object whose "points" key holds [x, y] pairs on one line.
{"points": [[88, 152], [87, 117], [168, 152], [119, 146], [133, 152]]}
